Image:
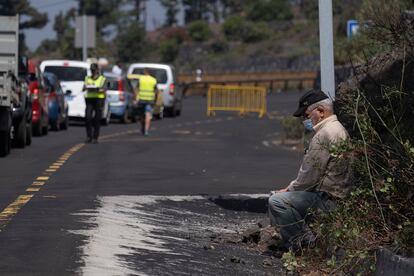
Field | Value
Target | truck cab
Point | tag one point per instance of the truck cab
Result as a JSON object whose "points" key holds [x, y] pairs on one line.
{"points": [[15, 104]]}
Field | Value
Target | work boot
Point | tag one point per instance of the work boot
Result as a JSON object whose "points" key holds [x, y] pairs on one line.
{"points": [[94, 141], [88, 140]]}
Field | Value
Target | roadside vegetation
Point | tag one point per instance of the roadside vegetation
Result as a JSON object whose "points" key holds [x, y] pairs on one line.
{"points": [[380, 210]]}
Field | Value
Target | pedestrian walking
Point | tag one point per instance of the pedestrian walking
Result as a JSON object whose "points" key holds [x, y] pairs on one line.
{"points": [[147, 94], [95, 86], [322, 179]]}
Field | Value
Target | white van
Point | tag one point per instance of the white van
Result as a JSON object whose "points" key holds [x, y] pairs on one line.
{"points": [[71, 75], [166, 83]]}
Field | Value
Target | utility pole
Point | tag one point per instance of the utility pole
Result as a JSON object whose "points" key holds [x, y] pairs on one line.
{"points": [[84, 38], [326, 48], [144, 12]]}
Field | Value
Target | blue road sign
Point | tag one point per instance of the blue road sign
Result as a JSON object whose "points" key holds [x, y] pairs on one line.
{"points": [[352, 28]]}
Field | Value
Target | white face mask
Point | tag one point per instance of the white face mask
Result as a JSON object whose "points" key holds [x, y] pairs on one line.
{"points": [[308, 124]]}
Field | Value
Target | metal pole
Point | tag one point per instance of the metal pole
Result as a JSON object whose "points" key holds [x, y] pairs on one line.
{"points": [[84, 38], [326, 48]]}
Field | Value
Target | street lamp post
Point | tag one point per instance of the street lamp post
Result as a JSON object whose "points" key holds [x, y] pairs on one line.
{"points": [[326, 48]]}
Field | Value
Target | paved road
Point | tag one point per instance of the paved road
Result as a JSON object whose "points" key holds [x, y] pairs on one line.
{"points": [[135, 205]]}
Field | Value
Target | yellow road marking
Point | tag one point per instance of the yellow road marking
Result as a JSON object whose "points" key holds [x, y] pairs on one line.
{"points": [[10, 211], [38, 183], [13, 208]]}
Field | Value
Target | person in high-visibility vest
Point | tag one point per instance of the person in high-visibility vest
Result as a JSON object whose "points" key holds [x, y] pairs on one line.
{"points": [[95, 87], [147, 94]]}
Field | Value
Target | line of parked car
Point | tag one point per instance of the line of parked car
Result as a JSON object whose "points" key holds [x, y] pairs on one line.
{"points": [[55, 90], [120, 89]]}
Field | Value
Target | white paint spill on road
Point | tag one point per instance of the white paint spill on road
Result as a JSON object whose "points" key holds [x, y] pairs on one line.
{"points": [[121, 228]]}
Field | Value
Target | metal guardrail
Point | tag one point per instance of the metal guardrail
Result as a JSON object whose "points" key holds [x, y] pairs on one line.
{"points": [[191, 88], [242, 99]]}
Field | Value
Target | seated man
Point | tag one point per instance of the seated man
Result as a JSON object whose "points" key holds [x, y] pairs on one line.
{"points": [[322, 178]]}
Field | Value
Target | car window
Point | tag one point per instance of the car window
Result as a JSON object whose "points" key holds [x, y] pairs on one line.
{"points": [[134, 83], [32, 77], [159, 74], [59, 90], [66, 73], [111, 84]]}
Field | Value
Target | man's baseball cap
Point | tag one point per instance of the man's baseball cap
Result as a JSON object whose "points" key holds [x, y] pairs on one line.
{"points": [[310, 97]]}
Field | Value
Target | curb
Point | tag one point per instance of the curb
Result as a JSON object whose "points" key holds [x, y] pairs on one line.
{"points": [[242, 202]]}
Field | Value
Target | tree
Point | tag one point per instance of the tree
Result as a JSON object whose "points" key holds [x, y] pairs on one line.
{"points": [[34, 19], [268, 10], [107, 12], [135, 14], [171, 7], [29, 16], [199, 31], [234, 7], [65, 33], [233, 27], [195, 10], [131, 43]]}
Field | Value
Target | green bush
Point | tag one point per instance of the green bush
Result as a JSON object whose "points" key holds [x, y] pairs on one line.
{"points": [[219, 46], [269, 10], [169, 50], [233, 27], [237, 28], [199, 31], [254, 32], [131, 43]]}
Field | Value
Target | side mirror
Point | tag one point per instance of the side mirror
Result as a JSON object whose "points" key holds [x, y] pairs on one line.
{"points": [[68, 92], [23, 65]]}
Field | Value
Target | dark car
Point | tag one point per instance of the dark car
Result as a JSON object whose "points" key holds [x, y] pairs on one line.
{"points": [[40, 110], [58, 106]]}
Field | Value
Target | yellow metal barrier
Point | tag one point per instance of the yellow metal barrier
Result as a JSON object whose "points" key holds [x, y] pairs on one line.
{"points": [[243, 99]]}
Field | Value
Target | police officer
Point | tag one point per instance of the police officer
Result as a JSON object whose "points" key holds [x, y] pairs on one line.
{"points": [[95, 87], [147, 96]]}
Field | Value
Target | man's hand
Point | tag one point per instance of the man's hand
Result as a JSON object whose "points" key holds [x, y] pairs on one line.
{"points": [[279, 191]]}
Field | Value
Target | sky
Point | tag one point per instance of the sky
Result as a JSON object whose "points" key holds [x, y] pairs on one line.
{"points": [[155, 17]]}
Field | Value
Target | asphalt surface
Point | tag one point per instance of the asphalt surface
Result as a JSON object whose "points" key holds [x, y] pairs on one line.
{"points": [[135, 205]]}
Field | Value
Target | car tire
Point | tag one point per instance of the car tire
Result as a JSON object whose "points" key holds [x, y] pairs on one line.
{"points": [[172, 111], [20, 135], [45, 130], [54, 125], [28, 134], [178, 111], [64, 125], [107, 119], [125, 117], [4, 143], [37, 129]]}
